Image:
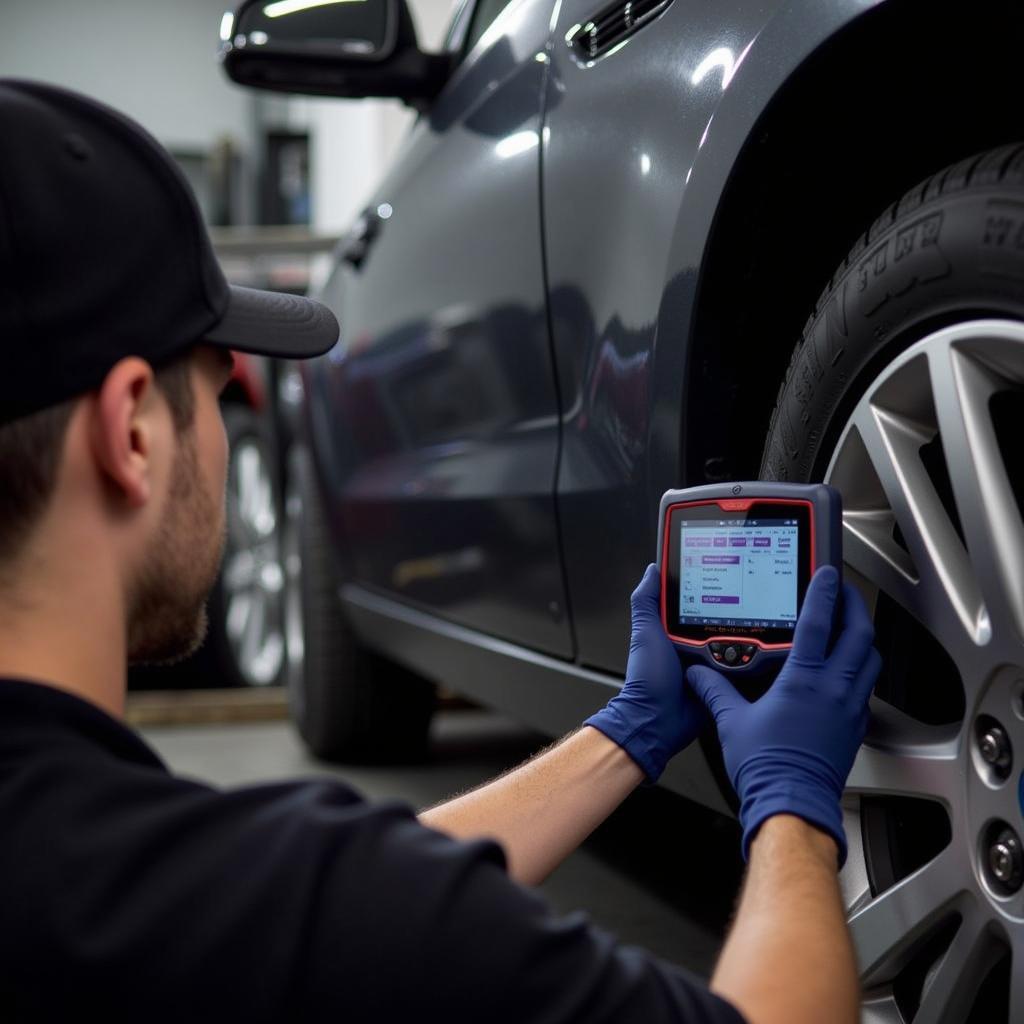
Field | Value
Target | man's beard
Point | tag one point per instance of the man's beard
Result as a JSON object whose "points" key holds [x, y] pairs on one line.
{"points": [[167, 615]]}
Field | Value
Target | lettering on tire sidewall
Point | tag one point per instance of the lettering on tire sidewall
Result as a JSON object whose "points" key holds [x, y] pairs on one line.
{"points": [[909, 256]]}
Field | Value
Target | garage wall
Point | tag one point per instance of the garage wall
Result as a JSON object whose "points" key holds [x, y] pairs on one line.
{"points": [[154, 59]]}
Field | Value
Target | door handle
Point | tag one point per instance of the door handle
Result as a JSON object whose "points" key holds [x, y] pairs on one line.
{"points": [[361, 237]]}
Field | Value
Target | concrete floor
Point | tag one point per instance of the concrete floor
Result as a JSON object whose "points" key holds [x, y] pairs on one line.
{"points": [[660, 873]]}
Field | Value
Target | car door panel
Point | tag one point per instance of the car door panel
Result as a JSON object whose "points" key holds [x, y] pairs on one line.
{"points": [[441, 394], [618, 147]]}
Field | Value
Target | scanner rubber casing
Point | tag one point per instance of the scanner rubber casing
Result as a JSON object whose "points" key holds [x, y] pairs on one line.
{"points": [[825, 549]]}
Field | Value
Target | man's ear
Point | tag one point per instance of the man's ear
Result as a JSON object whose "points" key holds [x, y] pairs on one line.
{"points": [[123, 426]]}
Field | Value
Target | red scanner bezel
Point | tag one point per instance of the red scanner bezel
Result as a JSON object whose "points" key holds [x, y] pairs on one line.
{"points": [[726, 505]]}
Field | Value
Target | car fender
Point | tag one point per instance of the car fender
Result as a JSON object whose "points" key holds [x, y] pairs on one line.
{"points": [[751, 81]]}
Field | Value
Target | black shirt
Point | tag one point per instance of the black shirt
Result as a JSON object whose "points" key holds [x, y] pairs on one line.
{"points": [[127, 894]]}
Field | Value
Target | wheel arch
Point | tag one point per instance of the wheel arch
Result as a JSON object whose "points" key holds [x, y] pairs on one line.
{"points": [[821, 158]]}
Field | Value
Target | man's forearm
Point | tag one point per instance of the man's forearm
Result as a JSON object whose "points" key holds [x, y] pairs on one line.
{"points": [[789, 959], [542, 810]]}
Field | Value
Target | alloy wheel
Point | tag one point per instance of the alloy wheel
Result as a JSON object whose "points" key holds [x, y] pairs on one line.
{"points": [[253, 577], [929, 465]]}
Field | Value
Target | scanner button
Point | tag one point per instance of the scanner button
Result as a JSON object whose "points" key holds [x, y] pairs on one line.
{"points": [[749, 651], [731, 655]]}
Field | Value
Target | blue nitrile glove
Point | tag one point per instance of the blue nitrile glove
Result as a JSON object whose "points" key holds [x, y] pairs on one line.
{"points": [[790, 751], [654, 716]]}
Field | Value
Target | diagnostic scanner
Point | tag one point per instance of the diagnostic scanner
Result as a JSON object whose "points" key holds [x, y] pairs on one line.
{"points": [[735, 562]]}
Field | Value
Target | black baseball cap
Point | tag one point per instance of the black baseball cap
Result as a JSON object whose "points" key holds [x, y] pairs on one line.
{"points": [[104, 254]]}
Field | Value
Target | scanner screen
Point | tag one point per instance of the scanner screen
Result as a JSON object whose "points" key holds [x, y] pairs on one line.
{"points": [[739, 572]]}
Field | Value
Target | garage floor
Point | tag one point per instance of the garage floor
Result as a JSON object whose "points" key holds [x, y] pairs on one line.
{"points": [[661, 873]]}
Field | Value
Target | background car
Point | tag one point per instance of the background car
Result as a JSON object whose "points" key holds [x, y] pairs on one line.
{"points": [[635, 245]]}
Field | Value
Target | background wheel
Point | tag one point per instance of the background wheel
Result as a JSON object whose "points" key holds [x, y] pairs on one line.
{"points": [[348, 703], [907, 393], [246, 641]]}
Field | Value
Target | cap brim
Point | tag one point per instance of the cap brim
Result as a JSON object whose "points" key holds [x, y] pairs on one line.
{"points": [[275, 324]]}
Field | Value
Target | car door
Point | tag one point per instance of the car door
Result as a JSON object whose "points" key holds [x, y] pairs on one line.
{"points": [[441, 407], [637, 86]]}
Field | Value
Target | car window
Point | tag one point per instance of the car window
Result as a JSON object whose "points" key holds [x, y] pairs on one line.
{"points": [[486, 11]]}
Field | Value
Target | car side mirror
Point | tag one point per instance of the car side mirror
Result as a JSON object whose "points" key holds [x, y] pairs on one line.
{"points": [[349, 48]]}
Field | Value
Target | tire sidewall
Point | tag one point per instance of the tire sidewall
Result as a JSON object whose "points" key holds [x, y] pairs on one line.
{"points": [[323, 710], [355, 706], [948, 260]]}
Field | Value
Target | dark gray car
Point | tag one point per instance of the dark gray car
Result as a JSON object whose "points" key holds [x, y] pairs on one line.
{"points": [[618, 237]]}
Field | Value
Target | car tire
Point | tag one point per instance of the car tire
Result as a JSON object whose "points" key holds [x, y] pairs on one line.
{"points": [[246, 641], [907, 392], [950, 248], [348, 703]]}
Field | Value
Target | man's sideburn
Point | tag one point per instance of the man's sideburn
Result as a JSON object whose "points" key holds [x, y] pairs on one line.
{"points": [[167, 619]]}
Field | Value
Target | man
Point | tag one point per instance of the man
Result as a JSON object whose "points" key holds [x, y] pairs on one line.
{"points": [[128, 894]]}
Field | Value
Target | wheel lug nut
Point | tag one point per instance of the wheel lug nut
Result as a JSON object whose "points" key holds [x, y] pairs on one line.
{"points": [[1005, 859], [1000, 859], [995, 747]]}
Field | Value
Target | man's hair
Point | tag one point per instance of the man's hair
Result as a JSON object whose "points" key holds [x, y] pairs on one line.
{"points": [[31, 449]]}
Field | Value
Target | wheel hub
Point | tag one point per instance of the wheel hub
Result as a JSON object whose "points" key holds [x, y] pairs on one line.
{"points": [[947, 547]]}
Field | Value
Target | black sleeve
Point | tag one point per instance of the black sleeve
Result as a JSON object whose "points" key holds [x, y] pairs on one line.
{"points": [[148, 898]]}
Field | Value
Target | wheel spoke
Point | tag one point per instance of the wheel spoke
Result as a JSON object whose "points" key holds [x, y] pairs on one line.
{"points": [[248, 473], [891, 763], [952, 987], [238, 616], [946, 597], [880, 1009], [868, 549], [886, 931], [240, 571], [261, 507], [963, 385], [869, 543], [272, 658], [253, 639]]}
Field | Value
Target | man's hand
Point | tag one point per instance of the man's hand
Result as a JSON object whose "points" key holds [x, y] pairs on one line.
{"points": [[791, 751], [653, 717]]}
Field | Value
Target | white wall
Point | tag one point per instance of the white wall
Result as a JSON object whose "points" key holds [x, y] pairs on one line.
{"points": [[156, 61], [153, 59]]}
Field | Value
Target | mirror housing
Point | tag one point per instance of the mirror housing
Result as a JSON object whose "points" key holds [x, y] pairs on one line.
{"points": [[345, 48]]}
